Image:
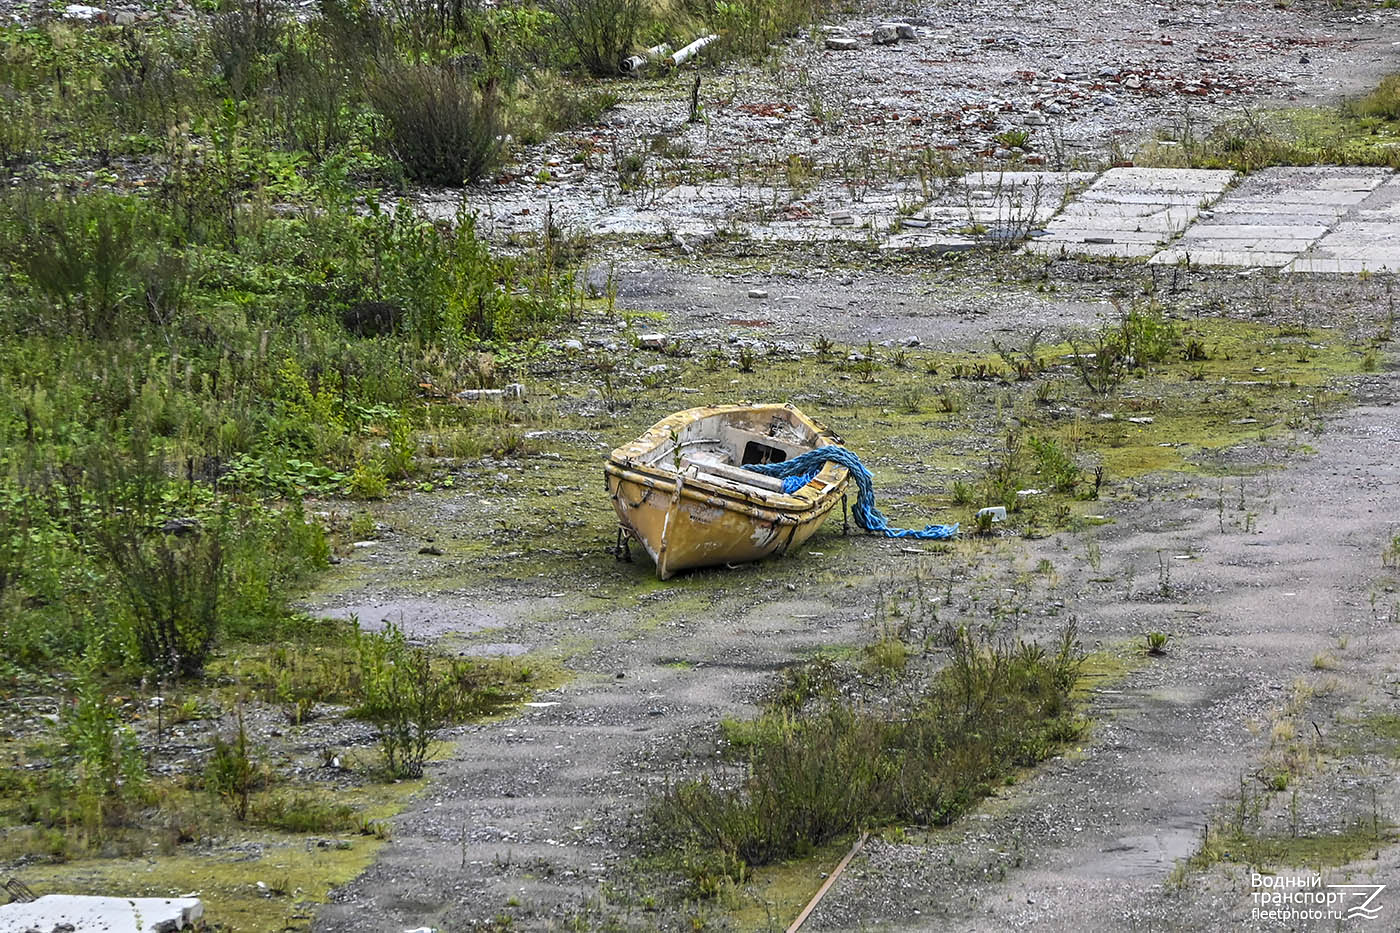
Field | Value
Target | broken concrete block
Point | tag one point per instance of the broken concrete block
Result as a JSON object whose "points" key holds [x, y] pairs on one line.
{"points": [[652, 341], [83, 912], [480, 395], [842, 43], [514, 390]]}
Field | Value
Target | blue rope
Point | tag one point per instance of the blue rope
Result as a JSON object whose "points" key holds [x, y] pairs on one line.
{"points": [[800, 470]]}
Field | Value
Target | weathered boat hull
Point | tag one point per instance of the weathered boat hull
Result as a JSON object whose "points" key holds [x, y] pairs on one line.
{"points": [[686, 518]]}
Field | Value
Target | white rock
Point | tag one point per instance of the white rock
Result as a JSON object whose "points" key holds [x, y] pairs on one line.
{"points": [[653, 341], [81, 11], [842, 43]]}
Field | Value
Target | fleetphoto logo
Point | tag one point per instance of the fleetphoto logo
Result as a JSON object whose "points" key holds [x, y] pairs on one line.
{"points": [[1285, 899]]}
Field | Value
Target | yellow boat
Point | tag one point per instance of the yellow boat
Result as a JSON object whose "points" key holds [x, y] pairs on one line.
{"points": [[681, 491]]}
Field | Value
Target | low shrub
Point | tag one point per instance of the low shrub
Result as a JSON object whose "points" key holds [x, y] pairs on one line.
{"points": [[440, 124], [816, 774], [106, 776], [1383, 102], [600, 32], [232, 774], [403, 696], [1055, 466], [306, 813]]}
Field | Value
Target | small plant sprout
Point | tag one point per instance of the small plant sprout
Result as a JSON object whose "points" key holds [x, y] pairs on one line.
{"points": [[1156, 643]]}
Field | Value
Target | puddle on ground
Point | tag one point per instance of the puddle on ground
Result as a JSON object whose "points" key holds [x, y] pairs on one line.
{"points": [[1147, 856], [419, 618], [503, 649]]}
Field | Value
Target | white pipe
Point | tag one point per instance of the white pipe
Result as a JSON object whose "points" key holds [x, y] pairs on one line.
{"points": [[681, 56], [635, 63]]}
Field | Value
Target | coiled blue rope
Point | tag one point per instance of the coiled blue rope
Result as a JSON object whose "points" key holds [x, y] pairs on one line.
{"points": [[800, 470]]}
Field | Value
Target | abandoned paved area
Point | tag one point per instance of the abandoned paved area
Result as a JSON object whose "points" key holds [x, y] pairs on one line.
{"points": [[1330, 219], [732, 234]]}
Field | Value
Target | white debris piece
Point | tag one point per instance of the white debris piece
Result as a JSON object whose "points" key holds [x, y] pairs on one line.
{"points": [[480, 395], [88, 914]]}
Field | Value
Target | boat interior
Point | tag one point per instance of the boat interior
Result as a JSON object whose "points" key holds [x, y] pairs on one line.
{"points": [[716, 448]]}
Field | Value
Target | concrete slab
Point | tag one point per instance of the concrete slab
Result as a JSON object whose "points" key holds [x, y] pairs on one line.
{"points": [[1223, 257], [1294, 212], [1099, 234], [85, 914], [1129, 212], [1166, 180], [1044, 247], [1204, 229], [1237, 244], [1284, 212], [1342, 266], [929, 242]]}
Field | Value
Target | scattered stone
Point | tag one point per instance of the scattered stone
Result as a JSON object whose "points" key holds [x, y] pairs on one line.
{"points": [[653, 341], [573, 346], [842, 43], [514, 390], [81, 11], [179, 527], [906, 31], [125, 18], [841, 218], [758, 293], [432, 550], [885, 34]]}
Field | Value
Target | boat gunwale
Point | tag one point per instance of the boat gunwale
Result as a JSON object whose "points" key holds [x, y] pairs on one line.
{"points": [[628, 460]]}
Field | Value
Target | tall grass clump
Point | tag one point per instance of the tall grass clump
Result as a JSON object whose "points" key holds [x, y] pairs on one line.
{"points": [[832, 768], [442, 125], [1383, 102]]}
